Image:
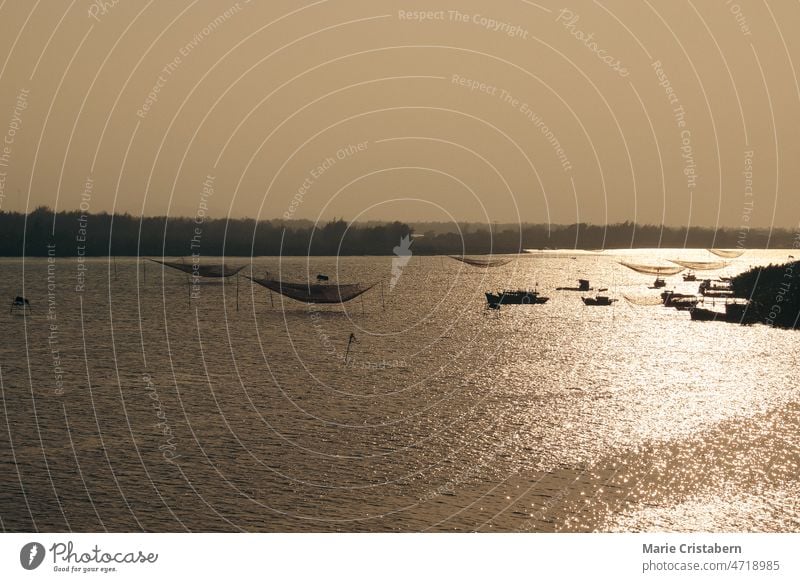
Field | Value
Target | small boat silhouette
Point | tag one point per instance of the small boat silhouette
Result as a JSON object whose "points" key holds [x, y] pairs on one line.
{"points": [[515, 298], [20, 305], [598, 300]]}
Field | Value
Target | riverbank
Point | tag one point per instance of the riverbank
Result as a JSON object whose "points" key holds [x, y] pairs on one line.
{"points": [[79, 233], [773, 292]]}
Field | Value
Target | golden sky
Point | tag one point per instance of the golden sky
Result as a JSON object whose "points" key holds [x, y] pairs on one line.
{"points": [[683, 112]]}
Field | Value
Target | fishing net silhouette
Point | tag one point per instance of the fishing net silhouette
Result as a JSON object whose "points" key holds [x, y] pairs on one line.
{"points": [[726, 254], [202, 270], [483, 262], [643, 300], [653, 269], [702, 265], [314, 293]]}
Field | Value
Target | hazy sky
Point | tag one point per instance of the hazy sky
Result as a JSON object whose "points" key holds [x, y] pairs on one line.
{"points": [[673, 111]]}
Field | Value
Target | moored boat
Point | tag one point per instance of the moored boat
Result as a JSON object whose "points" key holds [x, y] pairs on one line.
{"points": [[679, 300], [702, 314], [739, 312], [735, 312], [709, 288], [21, 306], [583, 285], [599, 300], [515, 298]]}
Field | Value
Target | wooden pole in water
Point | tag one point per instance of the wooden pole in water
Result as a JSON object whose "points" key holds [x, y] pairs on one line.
{"points": [[144, 267], [115, 267], [271, 300], [188, 275], [237, 292], [382, 302], [350, 341]]}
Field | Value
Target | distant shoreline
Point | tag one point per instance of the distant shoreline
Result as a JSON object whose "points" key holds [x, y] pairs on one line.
{"points": [[524, 254], [73, 233]]}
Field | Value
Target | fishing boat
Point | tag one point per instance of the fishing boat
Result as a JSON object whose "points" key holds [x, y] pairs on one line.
{"points": [[659, 283], [598, 300], [685, 304], [735, 312], [702, 314], [583, 285], [709, 288], [689, 277], [20, 305], [739, 312], [515, 298], [680, 301]]}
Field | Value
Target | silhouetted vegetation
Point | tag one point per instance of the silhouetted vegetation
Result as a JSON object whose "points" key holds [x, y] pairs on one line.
{"points": [[512, 238], [774, 293], [73, 233]]}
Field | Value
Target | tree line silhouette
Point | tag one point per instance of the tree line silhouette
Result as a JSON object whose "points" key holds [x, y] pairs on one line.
{"points": [[72, 233], [774, 294]]}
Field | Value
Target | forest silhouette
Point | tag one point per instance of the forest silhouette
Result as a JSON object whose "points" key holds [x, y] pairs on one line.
{"points": [[72, 233]]}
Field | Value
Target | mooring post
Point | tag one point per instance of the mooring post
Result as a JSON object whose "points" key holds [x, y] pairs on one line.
{"points": [[350, 341], [271, 300]]}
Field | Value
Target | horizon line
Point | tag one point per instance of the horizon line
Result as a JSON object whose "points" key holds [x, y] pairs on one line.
{"points": [[279, 219]]}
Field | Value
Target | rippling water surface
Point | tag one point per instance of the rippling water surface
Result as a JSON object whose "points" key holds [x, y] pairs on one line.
{"points": [[131, 406]]}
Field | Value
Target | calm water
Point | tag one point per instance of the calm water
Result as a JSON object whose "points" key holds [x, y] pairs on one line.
{"points": [[132, 406]]}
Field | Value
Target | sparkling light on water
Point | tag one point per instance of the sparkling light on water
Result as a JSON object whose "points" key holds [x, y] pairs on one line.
{"points": [[182, 413]]}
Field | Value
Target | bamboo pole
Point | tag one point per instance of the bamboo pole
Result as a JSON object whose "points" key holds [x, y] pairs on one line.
{"points": [[350, 341]]}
